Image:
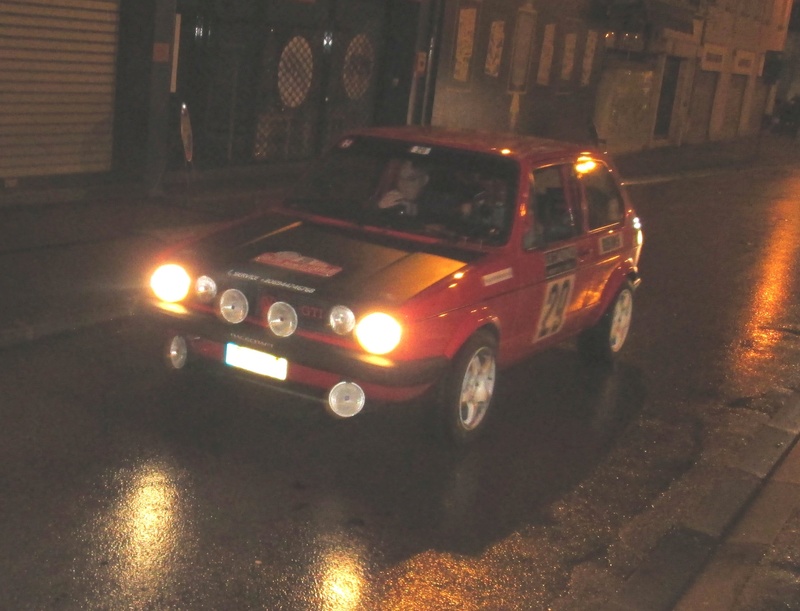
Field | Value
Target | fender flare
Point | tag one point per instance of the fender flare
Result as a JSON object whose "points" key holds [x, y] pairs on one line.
{"points": [[480, 317], [625, 272]]}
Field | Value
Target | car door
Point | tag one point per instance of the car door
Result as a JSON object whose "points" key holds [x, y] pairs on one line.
{"points": [[554, 284], [600, 247]]}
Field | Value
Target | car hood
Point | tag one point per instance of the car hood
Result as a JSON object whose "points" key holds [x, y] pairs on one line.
{"points": [[330, 262]]}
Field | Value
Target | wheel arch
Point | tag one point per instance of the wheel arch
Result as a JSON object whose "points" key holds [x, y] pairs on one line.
{"points": [[471, 326], [624, 274]]}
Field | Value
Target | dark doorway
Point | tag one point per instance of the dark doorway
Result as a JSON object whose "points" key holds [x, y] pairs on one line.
{"points": [[400, 63], [666, 101]]}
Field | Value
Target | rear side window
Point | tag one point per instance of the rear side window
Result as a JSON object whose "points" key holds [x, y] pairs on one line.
{"points": [[603, 199], [552, 206]]}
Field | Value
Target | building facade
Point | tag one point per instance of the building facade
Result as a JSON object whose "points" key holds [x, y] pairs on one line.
{"points": [[739, 38], [648, 80], [137, 88], [524, 66], [637, 73]]}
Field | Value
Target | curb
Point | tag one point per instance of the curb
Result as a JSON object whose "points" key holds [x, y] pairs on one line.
{"points": [[22, 333], [679, 558]]}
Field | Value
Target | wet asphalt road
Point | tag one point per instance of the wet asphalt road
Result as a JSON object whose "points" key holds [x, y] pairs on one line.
{"points": [[123, 487]]}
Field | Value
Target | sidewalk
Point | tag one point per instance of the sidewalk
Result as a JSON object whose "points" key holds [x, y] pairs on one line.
{"points": [[736, 548], [73, 257], [763, 150]]}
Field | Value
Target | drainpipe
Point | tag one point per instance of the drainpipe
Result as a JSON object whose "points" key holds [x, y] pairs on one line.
{"points": [[436, 15]]}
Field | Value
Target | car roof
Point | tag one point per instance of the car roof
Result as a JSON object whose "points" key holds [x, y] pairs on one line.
{"points": [[516, 146]]}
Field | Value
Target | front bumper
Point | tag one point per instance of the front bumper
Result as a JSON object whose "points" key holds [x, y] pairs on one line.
{"points": [[314, 366]]}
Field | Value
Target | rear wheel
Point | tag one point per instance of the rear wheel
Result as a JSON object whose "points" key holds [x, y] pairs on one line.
{"points": [[602, 342], [467, 394]]}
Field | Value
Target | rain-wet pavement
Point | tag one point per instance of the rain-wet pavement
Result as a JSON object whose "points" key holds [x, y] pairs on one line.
{"points": [[652, 559]]}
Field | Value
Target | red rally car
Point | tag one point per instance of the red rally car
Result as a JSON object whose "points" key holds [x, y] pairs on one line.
{"points": [[411, 262]]}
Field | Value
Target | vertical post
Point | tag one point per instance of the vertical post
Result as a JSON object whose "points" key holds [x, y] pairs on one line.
{"points": [[157, 144], [436, 16]]}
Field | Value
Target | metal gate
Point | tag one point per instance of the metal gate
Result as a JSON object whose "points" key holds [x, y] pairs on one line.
{"points": [[57, 79], [278, 90], [309, 98]]}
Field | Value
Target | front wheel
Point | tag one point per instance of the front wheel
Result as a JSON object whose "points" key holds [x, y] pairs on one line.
{"points": [[467, 393], [602, 342]]}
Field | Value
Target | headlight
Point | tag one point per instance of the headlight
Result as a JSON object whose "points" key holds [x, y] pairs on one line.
{"points": [[342, 320], [170, 283], [233, 306], [378, 333], [282, 319], [205, 288]]}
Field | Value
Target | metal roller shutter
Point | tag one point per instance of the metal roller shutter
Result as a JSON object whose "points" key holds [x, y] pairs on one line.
{"points": [[57, 79]]}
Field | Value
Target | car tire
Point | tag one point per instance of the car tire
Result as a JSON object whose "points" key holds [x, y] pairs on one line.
{"points": [[466, 395], [602, 342]]}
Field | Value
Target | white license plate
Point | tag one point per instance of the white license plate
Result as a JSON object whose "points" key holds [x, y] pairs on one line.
{"points": [[255, 361]]}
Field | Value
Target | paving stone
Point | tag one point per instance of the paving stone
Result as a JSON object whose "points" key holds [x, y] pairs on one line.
{"points": [[764, 450], [722, 580], [788, 416], [723, 503], [666, 573], [789, 469], [775, 504]]}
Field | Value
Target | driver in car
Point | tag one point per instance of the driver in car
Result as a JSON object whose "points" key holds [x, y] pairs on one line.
{"points": [[456, 210], [411, 182]]}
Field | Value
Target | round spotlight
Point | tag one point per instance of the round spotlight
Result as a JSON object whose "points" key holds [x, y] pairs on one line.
{"points": [[170, 283], [205, 288], [342, 320], [233, 306], [282, 319], [378, 333], [346, 399], [177, 352]]}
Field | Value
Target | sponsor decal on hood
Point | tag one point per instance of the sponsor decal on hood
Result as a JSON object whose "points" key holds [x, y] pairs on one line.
{"points": [[296, 262]]}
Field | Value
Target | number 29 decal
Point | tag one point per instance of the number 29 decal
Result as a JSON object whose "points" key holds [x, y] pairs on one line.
{"points": [[557, 296]]}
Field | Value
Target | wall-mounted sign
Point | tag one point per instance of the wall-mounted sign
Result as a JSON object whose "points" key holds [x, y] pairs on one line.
{"points": [[494, 53], [713, 57], [568, 58], [465, 40], [160, 52], [546, 59], [421, 65], [744, 62], [524, 34]]}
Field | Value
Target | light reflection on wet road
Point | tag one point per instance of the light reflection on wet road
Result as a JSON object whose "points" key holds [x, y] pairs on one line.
{"points": [[765, 322], [121, 488], [139, 539]]}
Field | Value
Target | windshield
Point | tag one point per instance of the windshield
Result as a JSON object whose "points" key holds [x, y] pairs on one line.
{"points": [[447, 193]]}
